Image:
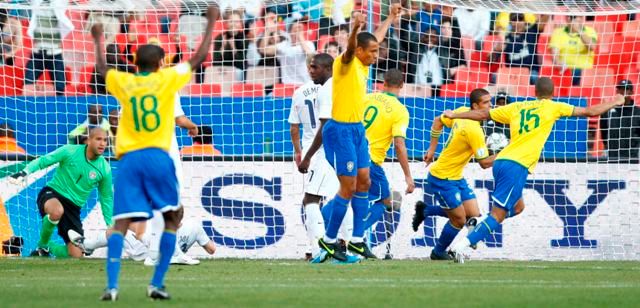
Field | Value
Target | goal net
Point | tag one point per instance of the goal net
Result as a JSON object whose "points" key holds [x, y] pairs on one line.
{"points": [[240, 180]]}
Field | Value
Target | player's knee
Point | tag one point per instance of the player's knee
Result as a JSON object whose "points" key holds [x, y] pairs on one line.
{"points": [[363, 184], [347, 192], [171, 220], [55, 212], [458, 221], [75, 253]]}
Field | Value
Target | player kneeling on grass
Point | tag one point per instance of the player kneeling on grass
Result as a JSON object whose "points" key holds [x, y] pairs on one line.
{"points": [[81, 168], [445, 181], [385, 121], [531, 123]]}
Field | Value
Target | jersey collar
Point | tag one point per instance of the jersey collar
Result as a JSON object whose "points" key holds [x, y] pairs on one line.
{"points": [[143, 73], [389, 93]]}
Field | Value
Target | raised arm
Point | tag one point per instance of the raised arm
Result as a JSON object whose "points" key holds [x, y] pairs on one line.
{"points": [[436, 131], [97, 31], [394, 12], [478, 115], [403, 158], [599, 109], [105, 190], [201, 53], [353, 38]]}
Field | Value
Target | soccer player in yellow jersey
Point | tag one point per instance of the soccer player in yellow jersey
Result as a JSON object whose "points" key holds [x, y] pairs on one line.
{"points": [[343, 137], [385, 121], [147, 178], [456, 199], [531, 123]]}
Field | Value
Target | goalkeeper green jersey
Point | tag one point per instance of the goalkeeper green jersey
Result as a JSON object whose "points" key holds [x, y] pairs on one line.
{"points": [[77, 176]]}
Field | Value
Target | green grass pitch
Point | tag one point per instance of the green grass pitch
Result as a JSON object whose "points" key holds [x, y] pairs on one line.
{"points": [[279, 283]]}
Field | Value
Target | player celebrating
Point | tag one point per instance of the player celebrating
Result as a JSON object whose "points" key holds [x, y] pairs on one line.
{"points": [[344, 138], [456, 199], [147, 178], [531, 123], [385, 121], [310, 110], [81, 168]]}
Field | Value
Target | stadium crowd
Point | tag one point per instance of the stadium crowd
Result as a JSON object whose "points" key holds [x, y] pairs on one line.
{"points": [[261, 48]]}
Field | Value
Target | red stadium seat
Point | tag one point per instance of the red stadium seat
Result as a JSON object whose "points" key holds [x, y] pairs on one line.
{"points": [[247, 90], [11, 80], [473, 75], [456, 89], [562, 81], [513, 77], [415, 90], [324, 39], [631, 28], [284, 90], [617, 21], [204, 89], [599, 77]]}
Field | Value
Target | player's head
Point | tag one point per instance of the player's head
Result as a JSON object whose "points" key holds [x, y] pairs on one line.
{"points": [[393, 81], [94, 114], [321, 68], [544, 88], [480, 99], [625, 88], [367, 48], [205, 135], [502, 99], [149, 58], [97, 141], [333, 49], [6, 130]]}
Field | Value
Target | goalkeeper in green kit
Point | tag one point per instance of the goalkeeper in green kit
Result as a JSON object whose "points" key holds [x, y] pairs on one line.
{"points": [[81, 168]]}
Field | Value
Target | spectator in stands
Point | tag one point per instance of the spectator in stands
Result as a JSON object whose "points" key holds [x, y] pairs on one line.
{"points": [[48, 26], [503, 21], [573, 47], [384, 63], [109, 17], [397, 43], [10, 37], [333, 49], [292, 54], [334, 13], [202, 144], [340, 35], [474, 23], [116, 61], [450, 49], [229, 48], [8, 143], [271, 37], [620, 127], [519, 45], [250, 8], [429, 17], [95, 117], [430, 70]]}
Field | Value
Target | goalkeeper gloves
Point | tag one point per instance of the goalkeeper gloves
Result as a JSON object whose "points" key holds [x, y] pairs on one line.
{"points": [[18, 178]]}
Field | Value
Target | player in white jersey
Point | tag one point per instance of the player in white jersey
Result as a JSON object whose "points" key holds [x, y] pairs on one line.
{"points": [[311, 106]]}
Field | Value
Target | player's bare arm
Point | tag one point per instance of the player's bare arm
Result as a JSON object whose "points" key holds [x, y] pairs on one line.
{"points": [[359, 22], [403, 158], [395, 10], [315, 146], [478, 115], [213, 13], [599, 109], [436, 131], [186, 123], [486, 163], [294, 131], [97, 32]]}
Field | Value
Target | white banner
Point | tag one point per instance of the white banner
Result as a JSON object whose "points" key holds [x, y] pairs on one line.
{"points": [[574, 211]]}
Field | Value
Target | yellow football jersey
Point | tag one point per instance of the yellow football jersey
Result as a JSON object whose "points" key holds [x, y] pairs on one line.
{"points": [[466, 139], [384, 118], [349, 89], [572, 50], [530, 124], [147, 100]]}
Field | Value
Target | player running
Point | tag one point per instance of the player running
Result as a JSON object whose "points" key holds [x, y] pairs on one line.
{"points": [[456, 199], [311, 111], [531, 123], [81, 168], [147, 179], [385, 121], [343, 137]]}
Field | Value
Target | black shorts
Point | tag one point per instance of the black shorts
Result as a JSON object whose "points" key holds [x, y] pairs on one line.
{"points": [[70, 219]]}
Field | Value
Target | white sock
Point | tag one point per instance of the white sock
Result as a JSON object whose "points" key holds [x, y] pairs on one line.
{"points": [[314, 224], [132, 245], [155, 227], [346, 229], [461, 245], [97, 242]]}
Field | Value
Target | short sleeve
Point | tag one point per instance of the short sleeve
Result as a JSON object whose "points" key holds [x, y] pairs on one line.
{"points": [[446, 121], [294, 117], [504, 114], [325, 101], [202, 238], [178, 111], [563, 109], [476, 140], [400, 125]]}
